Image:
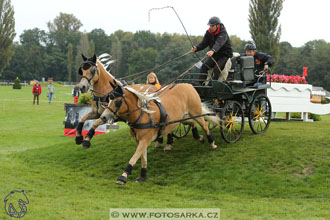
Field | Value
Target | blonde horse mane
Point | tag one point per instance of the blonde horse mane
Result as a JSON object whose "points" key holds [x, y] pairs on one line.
{"points": [[143, 98], [104, 61]]}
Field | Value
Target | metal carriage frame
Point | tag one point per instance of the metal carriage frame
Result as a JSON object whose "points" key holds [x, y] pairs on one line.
{"points": [[234, 101]]}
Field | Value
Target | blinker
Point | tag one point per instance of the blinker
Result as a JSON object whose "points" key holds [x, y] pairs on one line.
{"points": [[118, 103]]}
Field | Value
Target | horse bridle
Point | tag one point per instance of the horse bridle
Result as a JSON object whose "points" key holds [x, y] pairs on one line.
{"points": [[118, 92], [93, 70]]}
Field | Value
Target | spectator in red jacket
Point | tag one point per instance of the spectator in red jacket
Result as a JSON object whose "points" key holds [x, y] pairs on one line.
{"points": [[36, 91]]}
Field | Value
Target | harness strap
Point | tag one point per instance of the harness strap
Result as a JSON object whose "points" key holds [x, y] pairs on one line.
{"points": [[101, 99], [161, 124], [163, 116]]}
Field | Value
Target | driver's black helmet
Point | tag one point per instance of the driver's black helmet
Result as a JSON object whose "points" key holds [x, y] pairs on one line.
{"points": [[214, 20], [250, 46]]}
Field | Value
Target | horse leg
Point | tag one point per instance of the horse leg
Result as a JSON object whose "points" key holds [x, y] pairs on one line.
{"points": [[169, 143], [159, 142], [143, 175], [143, 144], [87, 141], [210, 138], [90, 115], [196, 134]]}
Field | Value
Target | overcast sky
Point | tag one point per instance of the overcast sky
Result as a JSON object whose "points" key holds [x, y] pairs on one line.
{"points": [[301, 20]]}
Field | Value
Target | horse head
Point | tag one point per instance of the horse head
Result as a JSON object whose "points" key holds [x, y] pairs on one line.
{"points": [[87, 71], [115, 106]]}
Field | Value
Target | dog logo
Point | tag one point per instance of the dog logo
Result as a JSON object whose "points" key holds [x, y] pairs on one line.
{"points": [[13, 199]]}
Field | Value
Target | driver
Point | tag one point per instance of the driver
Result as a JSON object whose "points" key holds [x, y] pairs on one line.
{"points": [[217, 39]]}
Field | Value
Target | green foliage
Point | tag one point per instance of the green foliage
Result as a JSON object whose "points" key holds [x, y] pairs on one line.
{"points": [[85, 98], [17, 84], [64, 22], [264, 26], [310, 116], [70, 62], [237, 44], [142, 59], [314, 117], [7, 32], [314, 54], [57, 53], [325, 100]]}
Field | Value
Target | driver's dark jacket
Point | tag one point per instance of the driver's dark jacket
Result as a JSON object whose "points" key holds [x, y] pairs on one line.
{"points": [[218, 42], [261, 59]]}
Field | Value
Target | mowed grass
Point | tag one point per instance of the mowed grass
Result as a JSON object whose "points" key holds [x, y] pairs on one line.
{"points": [[282, 174]]}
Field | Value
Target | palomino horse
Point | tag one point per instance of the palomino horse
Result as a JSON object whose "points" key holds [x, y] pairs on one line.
{"points": [[93, 74], [172, 103]]}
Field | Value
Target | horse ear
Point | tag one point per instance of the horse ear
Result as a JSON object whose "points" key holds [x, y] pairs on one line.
{"points": [[84, 58], [94, 59]]}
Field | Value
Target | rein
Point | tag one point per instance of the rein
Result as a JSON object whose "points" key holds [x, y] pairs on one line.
{"points": [[141, 74]]}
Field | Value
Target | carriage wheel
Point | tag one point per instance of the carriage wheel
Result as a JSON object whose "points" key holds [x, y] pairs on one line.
{"points": [[260, 114], [181, 130], [231, 122]]}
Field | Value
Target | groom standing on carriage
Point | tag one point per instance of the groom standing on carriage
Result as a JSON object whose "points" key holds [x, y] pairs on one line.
{"points": [[217, 39]]}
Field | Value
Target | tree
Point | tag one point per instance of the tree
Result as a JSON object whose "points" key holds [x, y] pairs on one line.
{"points": [[264, 26], [7, 32], [33, 37], [237, 44], [64, 22], [116, 54], [145, 39], [141, 59], [102, 42], [70, 62], [64, 30]]}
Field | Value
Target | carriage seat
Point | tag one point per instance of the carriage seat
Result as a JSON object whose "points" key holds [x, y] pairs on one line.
{"points": [[247, 69]]}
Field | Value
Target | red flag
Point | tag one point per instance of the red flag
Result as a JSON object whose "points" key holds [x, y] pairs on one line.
{"points": [[305, 71]]}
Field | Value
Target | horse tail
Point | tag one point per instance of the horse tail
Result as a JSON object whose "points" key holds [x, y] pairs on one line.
{"points": [[214, 119]]}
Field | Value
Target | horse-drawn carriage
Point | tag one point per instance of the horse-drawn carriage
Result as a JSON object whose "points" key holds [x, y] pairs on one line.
{"points": [[243, 95], [151, 116]]}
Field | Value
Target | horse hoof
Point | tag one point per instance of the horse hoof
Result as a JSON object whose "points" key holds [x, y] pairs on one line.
{"points": [[79, 139], [141, 179], [167, 148], [121, 180], [201, 138], [85, 144], [213, 146], [158, 145]]}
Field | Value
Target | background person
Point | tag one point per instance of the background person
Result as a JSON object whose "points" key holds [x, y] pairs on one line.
{"points": [[217, 39], [153, 80], [36, 91], [51, 91], [75, 94]]}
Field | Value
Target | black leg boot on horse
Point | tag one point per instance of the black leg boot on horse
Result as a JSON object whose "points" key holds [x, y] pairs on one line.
{"points": [[79, 138], [87, 141]]}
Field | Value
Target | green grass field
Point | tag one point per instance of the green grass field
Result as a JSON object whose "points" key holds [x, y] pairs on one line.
{"points": [[283, 174]]}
